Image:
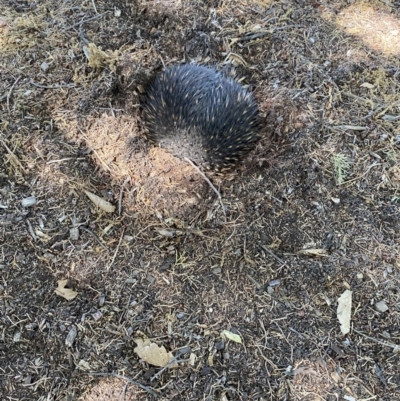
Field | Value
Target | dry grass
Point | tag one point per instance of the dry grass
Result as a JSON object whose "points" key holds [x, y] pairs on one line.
{"points": [[168, 264]]}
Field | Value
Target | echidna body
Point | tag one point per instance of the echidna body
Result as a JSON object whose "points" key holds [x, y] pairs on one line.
{"points": [[199, 113]]}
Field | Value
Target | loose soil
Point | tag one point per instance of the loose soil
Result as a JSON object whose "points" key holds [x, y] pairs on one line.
{"points": [[312, 212]]}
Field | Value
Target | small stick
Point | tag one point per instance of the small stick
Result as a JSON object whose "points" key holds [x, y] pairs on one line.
{"points": [[120, 195], [362, 175], [95, 236], [86, 20], [58, 86], [30, 229], [394, 346], [9, 93], [94, 6], [209, 183], [173, 360], [12, 155], [273, 255], [65, 159], [135, 383], [116, 251]]}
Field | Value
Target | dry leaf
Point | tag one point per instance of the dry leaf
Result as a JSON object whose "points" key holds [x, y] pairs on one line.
{"points": [[313, 252], [66, 293], [192, 359], [336, 377], [83, 365], [99, 58], [100, 202], [153, 354], [344, 311], [166, 233], [231, 336], [367, 85]]}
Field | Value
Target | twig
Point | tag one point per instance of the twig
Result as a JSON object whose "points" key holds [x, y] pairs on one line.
{"points": [[120, 195], [135, 383], [361, 99], [173, 360], [265, 33], [58, 86], [94, 6], [116, 251], [273, 255], [65, 159], [348, 127], [95, 236], [362, 175], [295, 331], [394, 346], [9, 93], [122, 395], [12, 155], [86, 20], [208, 182], [30, 229], [254, 36]]}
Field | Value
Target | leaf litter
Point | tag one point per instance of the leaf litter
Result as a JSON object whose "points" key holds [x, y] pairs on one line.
{"points": [[326, 82]]}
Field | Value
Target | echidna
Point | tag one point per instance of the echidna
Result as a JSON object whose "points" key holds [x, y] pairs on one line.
{"points": [[202, 114]]}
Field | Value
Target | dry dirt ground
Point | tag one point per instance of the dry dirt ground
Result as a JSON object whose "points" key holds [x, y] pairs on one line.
{"points": [[312, 212]]}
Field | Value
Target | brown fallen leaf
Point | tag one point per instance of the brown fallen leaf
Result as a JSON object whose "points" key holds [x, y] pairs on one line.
{"points": [[153, 354], [100, 202], [231, 336], [344, 311], [313, 252], [66, 293]]}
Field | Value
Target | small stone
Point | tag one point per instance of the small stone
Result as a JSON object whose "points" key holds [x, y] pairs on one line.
{"points": [[74, 233], [149, 373], [274, 283], [102, 299], [217, 270], [205, 371], [71, 336], [381, 306], [335, 201], [220, 345], [44, 67], [97, 315], [32, 326], [28, 202]]}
